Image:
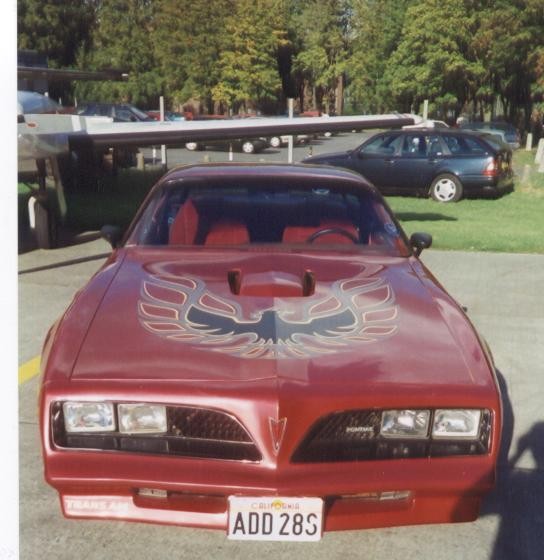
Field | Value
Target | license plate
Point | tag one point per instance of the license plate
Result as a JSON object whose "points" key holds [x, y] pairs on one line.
{"points": [[275, 519]]}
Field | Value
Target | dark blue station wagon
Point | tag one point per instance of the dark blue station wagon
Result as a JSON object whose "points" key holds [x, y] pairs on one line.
{"points": [[444, 164]]}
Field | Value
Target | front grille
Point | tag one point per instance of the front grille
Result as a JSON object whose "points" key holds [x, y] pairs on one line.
{"points": [[208, 424], [354, 435], [191, 432]]}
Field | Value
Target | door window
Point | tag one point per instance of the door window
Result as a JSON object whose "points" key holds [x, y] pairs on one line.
{"points": [[421, 145], [460, 145], [434, 146], [414, 145], [386, 144], [125, 115], [103, 111]]}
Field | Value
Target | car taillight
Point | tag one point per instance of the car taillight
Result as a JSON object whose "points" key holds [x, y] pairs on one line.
{"points": [[492, 168]]}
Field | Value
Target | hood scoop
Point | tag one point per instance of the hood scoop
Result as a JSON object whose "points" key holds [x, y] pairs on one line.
{"points": [[271, 284]]}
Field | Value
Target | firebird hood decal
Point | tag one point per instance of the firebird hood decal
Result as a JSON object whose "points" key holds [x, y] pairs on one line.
{"points": [[354, 311]]}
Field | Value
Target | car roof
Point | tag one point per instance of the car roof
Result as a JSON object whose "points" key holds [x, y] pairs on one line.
{"points": [[103, 104], [268, 171], [484, 135], [33, 102], [432, 130]]}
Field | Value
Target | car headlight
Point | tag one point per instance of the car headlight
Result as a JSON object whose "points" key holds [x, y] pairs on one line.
{"points": [[88, 416], [456, 423], [405, 423], [141, 418]]}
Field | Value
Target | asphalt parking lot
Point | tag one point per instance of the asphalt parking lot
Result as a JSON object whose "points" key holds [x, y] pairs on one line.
{"points": [[504, 299]]}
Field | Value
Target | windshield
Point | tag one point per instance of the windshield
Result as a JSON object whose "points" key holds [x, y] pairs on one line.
{"points": [[140, 114], [207, 213], [495, 140], [32, 102]]}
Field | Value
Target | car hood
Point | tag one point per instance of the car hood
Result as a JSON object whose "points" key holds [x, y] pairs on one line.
{"points": [[327, 158], [306, 317]]}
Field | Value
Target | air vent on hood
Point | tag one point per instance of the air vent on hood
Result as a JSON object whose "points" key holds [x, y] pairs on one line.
{"points": [[271, 283]]}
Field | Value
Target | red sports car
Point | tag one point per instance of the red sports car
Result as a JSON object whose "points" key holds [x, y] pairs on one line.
{"points": [[265, 354]]}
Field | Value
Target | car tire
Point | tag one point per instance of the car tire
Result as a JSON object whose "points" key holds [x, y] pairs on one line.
{"points": [[275, 142], [193, 146], [446, 188], [248, 147]]}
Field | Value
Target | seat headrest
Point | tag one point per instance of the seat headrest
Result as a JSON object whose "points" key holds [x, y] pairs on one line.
{"points": [[183, 229], [227, 232]]}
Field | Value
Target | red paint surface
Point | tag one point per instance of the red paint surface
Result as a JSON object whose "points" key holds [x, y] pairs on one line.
{"points": [[101, 350]]}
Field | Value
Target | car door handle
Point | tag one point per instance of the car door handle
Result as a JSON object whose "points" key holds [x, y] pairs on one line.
{"points": [[389, 161], [431, 161]]}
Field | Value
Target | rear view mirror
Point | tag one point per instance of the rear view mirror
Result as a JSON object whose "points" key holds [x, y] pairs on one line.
{"points": [[112, 234], [420, 241]]}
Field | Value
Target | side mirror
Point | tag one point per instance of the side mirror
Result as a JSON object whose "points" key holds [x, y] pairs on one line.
{"points": [[420, 241], [112, 234]]}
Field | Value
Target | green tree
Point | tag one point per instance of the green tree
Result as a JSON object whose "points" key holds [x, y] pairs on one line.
{"points": [[501, 55], [188, 41], [248, 64], [511, 60], [123, 40], [58, 29], [375, 34], [323, 27], [432, 60], [55, 28], [534, 15]]}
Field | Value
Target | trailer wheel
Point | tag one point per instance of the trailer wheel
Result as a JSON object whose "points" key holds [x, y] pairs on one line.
{"points": [[45, 226]]}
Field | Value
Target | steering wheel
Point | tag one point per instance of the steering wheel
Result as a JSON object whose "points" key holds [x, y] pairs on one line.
{"points": [[327, 231]]}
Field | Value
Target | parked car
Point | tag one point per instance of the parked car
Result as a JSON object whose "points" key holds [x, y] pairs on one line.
{"points": [[264, 353], [168, 115], [246, 145], [315, 113], [445, 164], [33, 102], [506, 131], [279, 141], [429, 123], [119, 112]]}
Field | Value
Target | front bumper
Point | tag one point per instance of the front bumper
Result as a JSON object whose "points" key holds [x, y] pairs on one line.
{"points": [[189, 491], [193, 492]]}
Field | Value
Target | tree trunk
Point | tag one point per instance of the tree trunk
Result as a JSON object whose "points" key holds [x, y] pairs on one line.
{"points": [[339, 96]]}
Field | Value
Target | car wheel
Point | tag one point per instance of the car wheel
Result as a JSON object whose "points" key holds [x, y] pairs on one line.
{"points": [[193, 146], [248, 147], [275, 142], [446, 188]]}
